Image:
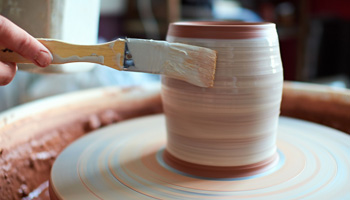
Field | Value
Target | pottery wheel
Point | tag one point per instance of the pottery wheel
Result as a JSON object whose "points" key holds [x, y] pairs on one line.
{"points": [[124, 161]]}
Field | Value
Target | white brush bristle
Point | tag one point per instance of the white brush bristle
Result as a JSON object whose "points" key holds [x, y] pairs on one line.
{"points": [[195, 65]]}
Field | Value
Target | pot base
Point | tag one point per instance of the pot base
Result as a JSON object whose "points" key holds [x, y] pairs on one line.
{"points": [[206, 171]]}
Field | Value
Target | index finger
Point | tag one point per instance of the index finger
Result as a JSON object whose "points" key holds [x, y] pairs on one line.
{"points": [[18, 40]]}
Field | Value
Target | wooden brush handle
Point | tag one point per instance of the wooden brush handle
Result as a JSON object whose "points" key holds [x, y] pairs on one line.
{"points": [[110, 54]]}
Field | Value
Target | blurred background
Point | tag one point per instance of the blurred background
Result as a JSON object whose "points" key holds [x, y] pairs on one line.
{"points": [[314, 37]]}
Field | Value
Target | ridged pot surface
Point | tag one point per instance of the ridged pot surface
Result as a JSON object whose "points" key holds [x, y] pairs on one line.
{"points": [[233, 123]]}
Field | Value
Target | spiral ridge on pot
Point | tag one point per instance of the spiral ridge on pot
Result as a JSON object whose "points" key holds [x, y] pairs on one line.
{"points": [[234, 123]]}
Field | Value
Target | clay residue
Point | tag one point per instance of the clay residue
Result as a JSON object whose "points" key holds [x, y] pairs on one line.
{"points": [[26, 164], [92, 58]]}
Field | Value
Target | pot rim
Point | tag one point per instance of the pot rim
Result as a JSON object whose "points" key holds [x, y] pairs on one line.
{"points": [[224, 24], [221, 29]]}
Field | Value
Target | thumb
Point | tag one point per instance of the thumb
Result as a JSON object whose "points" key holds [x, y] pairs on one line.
{"points": [[18, 40]]}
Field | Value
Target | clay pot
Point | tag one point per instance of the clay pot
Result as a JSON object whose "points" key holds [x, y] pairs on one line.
{"points": [[233, 124]]}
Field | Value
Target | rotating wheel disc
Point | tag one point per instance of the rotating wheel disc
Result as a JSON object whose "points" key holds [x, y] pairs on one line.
{"points": [[124, 161]]}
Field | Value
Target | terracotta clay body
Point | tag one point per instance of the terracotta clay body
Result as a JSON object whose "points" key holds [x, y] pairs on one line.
{"points": [[234, 123]]}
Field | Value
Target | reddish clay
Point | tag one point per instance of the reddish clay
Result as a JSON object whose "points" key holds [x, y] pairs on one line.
{"points": [[25, 165], [220, 172], [220, 30]]}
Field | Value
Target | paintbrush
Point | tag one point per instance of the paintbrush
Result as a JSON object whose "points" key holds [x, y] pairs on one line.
{"points": [[195, 65]]}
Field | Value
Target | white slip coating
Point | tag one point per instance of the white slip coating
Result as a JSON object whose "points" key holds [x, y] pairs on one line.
{"points": [[234, 123], [93, 58], [156, 56], [193, 64], [117, 56]]}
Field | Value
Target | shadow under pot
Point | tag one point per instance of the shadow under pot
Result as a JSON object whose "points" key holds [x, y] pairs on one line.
{"points": [[228, 130]]}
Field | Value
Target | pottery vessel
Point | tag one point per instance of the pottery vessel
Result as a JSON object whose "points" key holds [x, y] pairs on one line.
{"points": [[232, 124]]}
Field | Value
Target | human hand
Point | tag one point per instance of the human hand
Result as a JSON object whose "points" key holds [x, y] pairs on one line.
{"points": [[16, 39]]}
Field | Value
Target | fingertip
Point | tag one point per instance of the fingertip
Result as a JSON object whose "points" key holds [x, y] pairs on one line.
{"points": [[7, 72], [43, 58]]}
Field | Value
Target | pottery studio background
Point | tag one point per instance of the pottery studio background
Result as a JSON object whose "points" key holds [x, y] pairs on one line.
{"points": [[314, 37]]}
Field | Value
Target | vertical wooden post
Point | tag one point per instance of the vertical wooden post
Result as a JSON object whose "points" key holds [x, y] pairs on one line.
{"points": [[174, 10]]}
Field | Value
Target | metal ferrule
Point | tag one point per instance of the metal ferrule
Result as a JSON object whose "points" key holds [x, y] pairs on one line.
{"points": [[128, 61]]}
